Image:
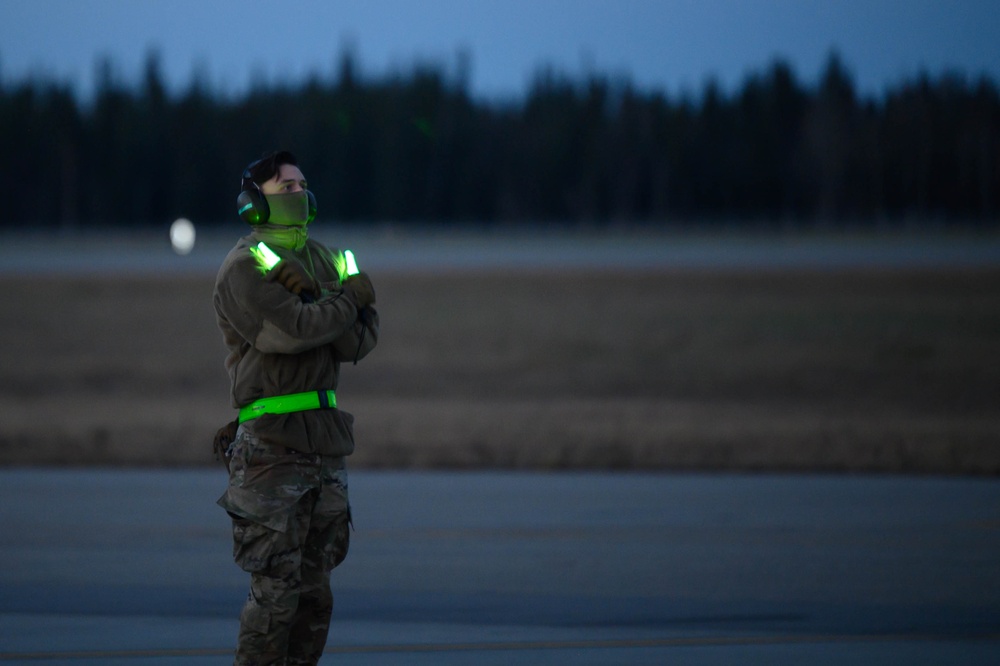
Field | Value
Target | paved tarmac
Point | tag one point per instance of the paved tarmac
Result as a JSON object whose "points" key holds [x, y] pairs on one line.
{"points": [[133, 567]]}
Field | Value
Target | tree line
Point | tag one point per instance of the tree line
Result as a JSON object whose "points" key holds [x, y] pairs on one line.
{"points": [[417, 147]]}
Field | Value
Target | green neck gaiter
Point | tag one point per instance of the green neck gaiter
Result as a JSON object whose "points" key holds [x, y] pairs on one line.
{"points": [[292, 238], [287, 223]]}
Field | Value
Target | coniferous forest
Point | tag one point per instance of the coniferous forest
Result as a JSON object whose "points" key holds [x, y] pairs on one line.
{"points": [[418, 148]]}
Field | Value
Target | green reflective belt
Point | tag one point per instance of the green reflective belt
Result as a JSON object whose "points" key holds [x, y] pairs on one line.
{"points": [[285, 404]]}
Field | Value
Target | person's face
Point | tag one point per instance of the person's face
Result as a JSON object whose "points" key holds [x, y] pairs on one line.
{"points": [[288, 179]]}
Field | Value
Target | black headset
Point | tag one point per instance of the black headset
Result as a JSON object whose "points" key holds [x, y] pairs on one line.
{"points": [[251, 204]]}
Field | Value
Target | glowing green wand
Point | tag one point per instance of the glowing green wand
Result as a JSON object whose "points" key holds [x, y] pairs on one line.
{"points": [[346, 265], [352, 265], [265, 256]]}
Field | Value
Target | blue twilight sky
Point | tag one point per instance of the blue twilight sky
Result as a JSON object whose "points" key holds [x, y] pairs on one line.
{"points": [[671, 45]]}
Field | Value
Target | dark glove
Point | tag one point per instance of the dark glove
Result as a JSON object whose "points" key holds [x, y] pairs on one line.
{"points": [[223, 438], [295, 279], [360, 290]]}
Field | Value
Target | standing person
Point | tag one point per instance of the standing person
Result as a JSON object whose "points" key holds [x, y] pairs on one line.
{"points": [[288, 326]]}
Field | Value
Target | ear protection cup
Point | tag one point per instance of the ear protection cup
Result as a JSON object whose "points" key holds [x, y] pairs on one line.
{"points": [[312, 206], [252, 206]]}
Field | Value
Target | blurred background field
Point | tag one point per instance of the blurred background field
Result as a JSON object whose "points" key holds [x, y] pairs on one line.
{"points": [[757, 356], [713, 235]]}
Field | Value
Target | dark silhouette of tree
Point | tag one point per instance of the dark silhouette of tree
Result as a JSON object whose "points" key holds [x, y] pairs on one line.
{"points": [[414, 147]]}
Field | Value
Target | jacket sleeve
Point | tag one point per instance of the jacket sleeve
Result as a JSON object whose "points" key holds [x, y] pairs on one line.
{"points": [[274, 320], [359, 339]]}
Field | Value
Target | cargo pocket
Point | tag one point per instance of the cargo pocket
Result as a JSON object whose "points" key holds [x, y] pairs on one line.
{"points": [[341, 541], [335, 508], [255, 617], [253, 544], [327, 547]]}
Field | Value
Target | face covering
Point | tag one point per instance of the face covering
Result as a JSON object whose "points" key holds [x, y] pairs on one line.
{"points": [[286, 225], [287, 209]]}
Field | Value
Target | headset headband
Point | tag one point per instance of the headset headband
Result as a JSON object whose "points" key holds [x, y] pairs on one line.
{"points": [[247, 181]]}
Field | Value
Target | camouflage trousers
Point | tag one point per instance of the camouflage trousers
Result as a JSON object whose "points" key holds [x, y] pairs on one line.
{"points": [[291, 520]]}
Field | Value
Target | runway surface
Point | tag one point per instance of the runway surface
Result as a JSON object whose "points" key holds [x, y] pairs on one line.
{"points": [[133, 567]]}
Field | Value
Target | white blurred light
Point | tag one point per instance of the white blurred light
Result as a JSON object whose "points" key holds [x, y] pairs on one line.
{"points": [[182, 235]]}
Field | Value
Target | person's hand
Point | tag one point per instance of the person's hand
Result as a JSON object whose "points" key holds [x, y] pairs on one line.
{"points": [[295, 279], [359, 289]]}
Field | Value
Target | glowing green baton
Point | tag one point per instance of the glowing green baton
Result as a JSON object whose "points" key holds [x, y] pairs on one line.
{"points": [[352, 265], [265, 256], [346, 265]]}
